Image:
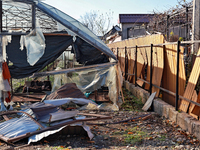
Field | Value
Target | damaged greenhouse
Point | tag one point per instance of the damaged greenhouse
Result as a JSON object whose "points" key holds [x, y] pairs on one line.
{"points": [[33, 35]]}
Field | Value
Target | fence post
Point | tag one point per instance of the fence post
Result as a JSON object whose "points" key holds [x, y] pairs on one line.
{"points": [[136, 66], [117, 53], [177, 75], [126, 62], [151, 69]]}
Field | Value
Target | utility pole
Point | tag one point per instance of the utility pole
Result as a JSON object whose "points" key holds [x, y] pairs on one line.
{"points": [[195, 25]]}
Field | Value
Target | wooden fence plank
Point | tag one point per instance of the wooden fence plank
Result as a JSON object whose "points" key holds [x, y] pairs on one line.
{"points": [[194, 76], [158, 64], [169, 75]]}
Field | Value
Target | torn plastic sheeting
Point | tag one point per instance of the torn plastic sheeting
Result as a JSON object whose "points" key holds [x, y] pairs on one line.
{"points": [[59, 102], [5, 40], [91, 79], [108, 106], [61, 28], [35, 45], [55, 45], [38, 137], [4, 85], [57, 81], [87, 54]]}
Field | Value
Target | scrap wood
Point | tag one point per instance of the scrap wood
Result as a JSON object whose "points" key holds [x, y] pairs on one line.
{"points": [[22, 146], [5, 117], [148, 103], [120, 86], [143, 117]]}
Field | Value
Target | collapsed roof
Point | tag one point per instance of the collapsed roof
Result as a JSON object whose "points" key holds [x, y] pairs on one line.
{"points": [[19, 14]]}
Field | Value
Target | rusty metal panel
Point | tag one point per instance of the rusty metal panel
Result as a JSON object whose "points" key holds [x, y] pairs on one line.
{"points": [[24, 97], [67, 90]]}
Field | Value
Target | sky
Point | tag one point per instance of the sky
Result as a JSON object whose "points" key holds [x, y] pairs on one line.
{"points": [[77, 8]]}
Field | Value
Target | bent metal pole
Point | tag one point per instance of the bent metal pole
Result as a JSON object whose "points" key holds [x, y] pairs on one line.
{"points": [[1, 57]]}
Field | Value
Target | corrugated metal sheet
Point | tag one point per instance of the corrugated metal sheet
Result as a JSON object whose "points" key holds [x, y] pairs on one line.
{"points": [[67, 90]]}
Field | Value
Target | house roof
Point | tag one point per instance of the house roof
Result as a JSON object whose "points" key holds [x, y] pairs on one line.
{"points": [[112, 31], [134, 18]]}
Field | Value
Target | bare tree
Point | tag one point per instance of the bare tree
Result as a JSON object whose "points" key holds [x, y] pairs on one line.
{"points": [[99, 23]]}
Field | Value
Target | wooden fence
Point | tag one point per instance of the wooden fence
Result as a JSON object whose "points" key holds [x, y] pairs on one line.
{"points": [[155, 63]]}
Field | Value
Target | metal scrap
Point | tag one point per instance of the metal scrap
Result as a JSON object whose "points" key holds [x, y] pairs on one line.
{"points": [[32, 121]]}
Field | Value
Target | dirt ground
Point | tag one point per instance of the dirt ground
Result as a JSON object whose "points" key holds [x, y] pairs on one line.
{"points": [[152, 132]]}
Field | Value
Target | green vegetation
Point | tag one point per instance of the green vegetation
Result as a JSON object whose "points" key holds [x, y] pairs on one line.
{"points": [[135, 135], [163, 137], [131, 102]]}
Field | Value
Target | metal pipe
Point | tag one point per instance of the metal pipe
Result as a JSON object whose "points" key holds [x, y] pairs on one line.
{"points": [[1, 55], [1, 13], [160, 45], [136, 65], [151, 69], [187, 36], [33, 16], [64, 71], [177, 75]]}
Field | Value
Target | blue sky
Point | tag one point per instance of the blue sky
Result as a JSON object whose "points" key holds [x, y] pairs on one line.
{"points": [[76, 8]]}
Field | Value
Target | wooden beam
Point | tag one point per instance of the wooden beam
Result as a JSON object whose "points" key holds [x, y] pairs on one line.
{"points": [[56, 34]]}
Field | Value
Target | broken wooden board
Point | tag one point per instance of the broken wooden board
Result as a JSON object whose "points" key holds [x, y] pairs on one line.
{"points": [[194, 76], [191, 108], [148, 103]]}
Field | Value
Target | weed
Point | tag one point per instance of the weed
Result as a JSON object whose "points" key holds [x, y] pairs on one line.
{"points": [[137, 137], [163, 137], [131, 102]]}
